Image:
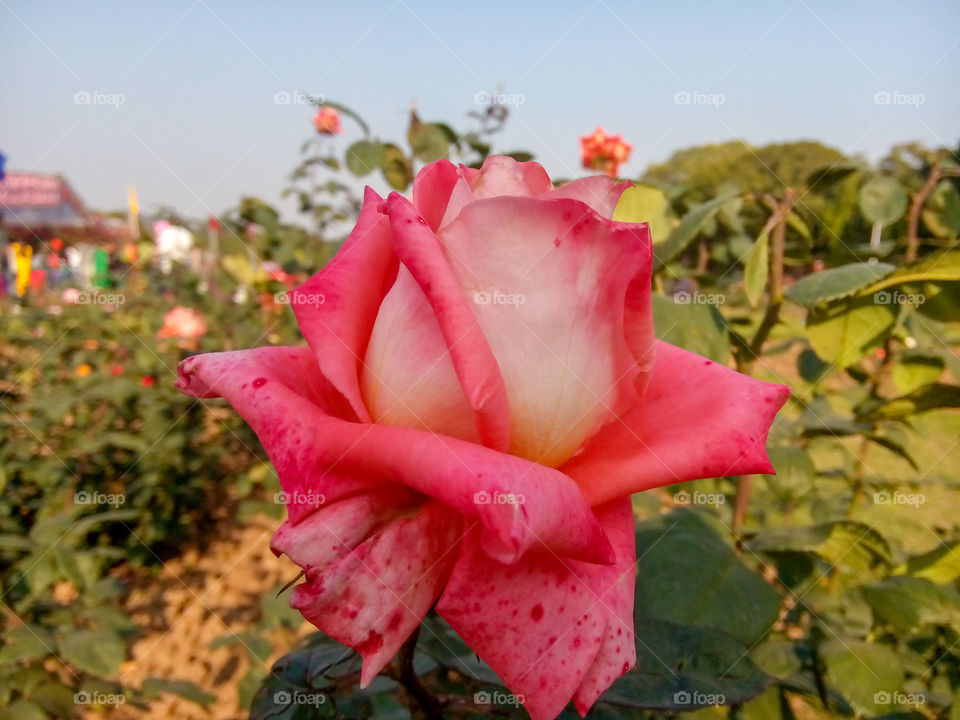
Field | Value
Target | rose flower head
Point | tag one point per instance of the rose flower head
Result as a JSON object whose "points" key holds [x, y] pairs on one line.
{"points": [[327, 120], [183, 322], [602, 152], [480, 394]]}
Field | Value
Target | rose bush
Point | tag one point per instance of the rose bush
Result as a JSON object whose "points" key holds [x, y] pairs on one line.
{"points": [[481, 394]]}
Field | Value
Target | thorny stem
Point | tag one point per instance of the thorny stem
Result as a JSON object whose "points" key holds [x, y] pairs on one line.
{"points": [[422, 703]]}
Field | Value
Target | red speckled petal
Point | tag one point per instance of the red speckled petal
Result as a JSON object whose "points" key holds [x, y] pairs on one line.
{"points": [[377, 594], [280, 393], [337, 307], [552, 628], [697, 419]]}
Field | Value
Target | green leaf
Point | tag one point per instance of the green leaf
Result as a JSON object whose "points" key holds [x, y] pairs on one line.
{"points": [[697, 327], [23, 710], [756, 267], [915, 370], [396, 168], [691, 576], [98, 652], [843, 332], [645, 203], [799, 226], [941, 213], [941, 565], [181, 688], [911, 603], [824, 178], [26, 642], [429, 143], [685, 233], [363, 157], [883, 200], [939, 268], [928, 397], [683, 668], [795, 472], [844, 542], [862, 672], [836, 283]]}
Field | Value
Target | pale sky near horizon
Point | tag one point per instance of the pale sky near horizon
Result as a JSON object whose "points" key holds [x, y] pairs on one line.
{"points": [[182, 92]]}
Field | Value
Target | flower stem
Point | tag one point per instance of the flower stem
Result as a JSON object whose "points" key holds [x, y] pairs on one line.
{"points": [[422, 703]]}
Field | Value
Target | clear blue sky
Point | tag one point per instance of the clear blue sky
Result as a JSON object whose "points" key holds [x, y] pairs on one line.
{"points": [[198, 127]]}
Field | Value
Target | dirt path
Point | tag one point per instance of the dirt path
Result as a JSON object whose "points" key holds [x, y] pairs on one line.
{"points": [[194, 600]]}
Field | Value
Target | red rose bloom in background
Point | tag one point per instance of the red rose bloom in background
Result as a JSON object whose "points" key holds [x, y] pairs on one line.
{"points": [[327, 120], [481, 394], [603, 152], [183, 322]]}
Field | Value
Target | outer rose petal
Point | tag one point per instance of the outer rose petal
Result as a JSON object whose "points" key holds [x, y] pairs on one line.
{"points": [[279, 392], [551, 628], [337, 307], [421, 253], [377, 594], [552, 280], [697, 419], [432, 188], [600, 193]]}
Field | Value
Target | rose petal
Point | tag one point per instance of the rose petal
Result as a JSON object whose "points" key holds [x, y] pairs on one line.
{"points": [[337, 307], [520, 504], [550, 627], [549, 281], [408, 377], [377, 594], [599, 192], [698, 419], [432, 188], [476, 367]]}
